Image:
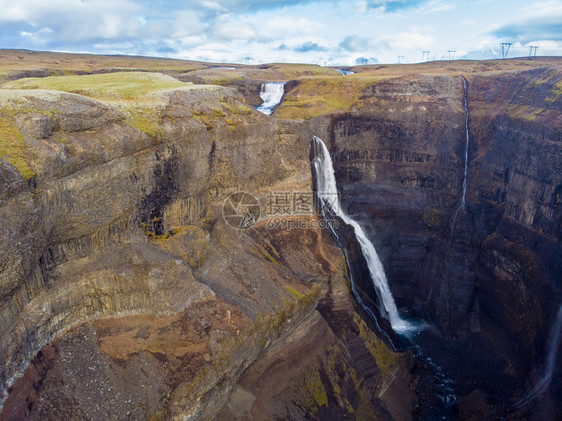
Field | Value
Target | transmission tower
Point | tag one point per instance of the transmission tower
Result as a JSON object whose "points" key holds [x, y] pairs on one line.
{"points": [[505, 48], [400, 59], [532, 51], [451, 54], [425, 55]]}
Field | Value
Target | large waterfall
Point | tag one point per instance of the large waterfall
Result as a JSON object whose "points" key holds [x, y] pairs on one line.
{"points": [[271, 94], [327, 194]]}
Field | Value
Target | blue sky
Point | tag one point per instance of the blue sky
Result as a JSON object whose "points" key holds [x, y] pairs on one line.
{"points": [[323, 31]]}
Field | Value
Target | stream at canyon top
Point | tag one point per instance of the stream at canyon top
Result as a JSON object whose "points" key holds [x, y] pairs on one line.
{"points": [[345, 72], [271, 95]]}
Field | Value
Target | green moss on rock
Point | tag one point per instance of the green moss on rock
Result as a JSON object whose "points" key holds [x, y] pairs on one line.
{"points": [[314, 97], [145, 120], [12, 146], [383, 355]]}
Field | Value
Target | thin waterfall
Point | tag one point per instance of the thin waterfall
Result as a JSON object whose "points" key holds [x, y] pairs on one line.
{"points": [[271, 95], [550, 366], [327, 193], [467, 113], [467, 137]]}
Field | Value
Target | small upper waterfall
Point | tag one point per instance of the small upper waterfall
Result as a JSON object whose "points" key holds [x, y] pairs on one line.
{"points": [[327, 193], [271, 94]]}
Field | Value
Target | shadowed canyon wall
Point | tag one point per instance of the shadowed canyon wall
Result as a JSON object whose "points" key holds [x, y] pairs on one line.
{"points": [[489, 280]]}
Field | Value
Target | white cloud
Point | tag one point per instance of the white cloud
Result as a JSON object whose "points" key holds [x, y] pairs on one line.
{"points": [[542, 8], [336, 31], [410, 41], [186, 23], [362, 7], [233, 31], [306, 44], [355, 43], [283, 26], [437, 6], [114, 46]]}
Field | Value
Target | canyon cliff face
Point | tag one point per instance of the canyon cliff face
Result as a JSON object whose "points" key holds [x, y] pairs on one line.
{"points": [[485, 275], [125, 293]]}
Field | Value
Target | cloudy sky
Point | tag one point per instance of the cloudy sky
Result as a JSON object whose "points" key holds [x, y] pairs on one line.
{"points": [[322, 31]]}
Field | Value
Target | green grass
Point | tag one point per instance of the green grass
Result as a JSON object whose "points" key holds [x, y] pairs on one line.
{"points": [[523, 112], [293, 291], [383, 355], [12, 141], [297, 70], [556, 92], [12, 146], [317, 96], [315, 387], [118, 86], [145, 120], [224, 79]]}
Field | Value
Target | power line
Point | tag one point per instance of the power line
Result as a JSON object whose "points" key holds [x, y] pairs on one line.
{"points": [[505, 48]]}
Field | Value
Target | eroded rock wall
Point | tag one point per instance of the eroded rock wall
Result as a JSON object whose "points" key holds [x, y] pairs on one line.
{"points": [[487, 275], [125, 293], [106, 175]]}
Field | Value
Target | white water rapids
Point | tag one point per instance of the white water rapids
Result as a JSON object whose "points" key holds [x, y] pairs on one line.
{"points": [[271, 94], [327, 193]]}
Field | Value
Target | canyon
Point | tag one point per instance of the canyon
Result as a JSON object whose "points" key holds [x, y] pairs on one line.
{"points": [[125, 293]]}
